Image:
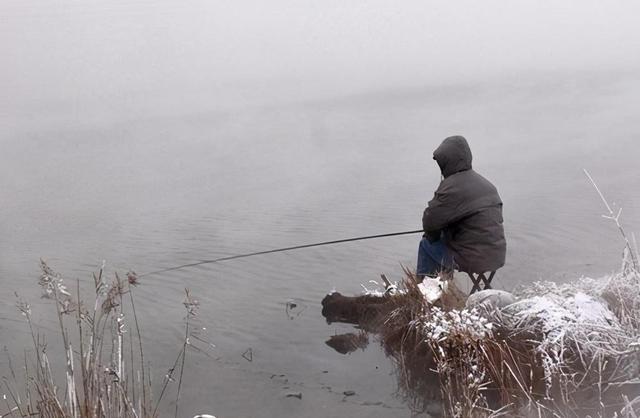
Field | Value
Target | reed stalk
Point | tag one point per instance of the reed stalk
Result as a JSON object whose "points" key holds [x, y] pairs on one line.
{"points": [[94, 386]]}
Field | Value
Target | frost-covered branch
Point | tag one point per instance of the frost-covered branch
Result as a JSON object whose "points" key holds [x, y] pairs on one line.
{"points": [[616, 218]]}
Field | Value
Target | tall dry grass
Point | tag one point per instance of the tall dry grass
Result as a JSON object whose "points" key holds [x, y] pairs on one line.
{"points": [[544, 356], [105, 370]]}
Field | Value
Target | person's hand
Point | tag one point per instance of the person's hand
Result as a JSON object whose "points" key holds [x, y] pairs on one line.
{"points": [[432, 236]]}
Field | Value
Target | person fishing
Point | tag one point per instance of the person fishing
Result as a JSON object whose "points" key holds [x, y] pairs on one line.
{"points": [[463, 222], [462, 226]]}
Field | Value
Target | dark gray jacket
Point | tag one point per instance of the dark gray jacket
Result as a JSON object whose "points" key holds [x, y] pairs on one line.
{"points": [[466, 211]]}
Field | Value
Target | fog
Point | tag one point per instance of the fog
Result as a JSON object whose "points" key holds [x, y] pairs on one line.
{"points": [[156, 133], [120, 58]]}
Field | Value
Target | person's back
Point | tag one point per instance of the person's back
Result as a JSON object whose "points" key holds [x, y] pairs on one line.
{"points": [[463, 221]]}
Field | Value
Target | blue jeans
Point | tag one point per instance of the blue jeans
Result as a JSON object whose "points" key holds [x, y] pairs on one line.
{"points": [[433, 257]]}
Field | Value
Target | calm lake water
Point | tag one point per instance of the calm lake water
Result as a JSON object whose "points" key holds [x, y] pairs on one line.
{"points": [[150, 192], [152, 178]]}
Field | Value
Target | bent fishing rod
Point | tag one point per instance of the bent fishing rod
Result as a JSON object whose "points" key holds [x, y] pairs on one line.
{"points": [[277, 250]]}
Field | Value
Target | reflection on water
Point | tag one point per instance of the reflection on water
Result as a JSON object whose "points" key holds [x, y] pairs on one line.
{"points": [[349, 342], [387, 319]]}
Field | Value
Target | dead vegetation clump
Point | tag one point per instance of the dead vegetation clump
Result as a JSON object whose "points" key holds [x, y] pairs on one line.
{"points": [[566, 350], [559, 350], [105, 372], [393, 314]]}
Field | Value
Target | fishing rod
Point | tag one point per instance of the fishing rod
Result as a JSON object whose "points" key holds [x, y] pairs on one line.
{"points": [[277, 250]]}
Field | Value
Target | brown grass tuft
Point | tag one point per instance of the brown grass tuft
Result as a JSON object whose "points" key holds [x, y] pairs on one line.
{"points": [[98, 382]]}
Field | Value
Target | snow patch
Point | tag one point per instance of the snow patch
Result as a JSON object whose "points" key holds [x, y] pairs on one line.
{"points": [[432, 289]]}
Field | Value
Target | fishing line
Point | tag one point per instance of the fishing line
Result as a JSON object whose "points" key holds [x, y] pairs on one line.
{"points": [[277, 250]]}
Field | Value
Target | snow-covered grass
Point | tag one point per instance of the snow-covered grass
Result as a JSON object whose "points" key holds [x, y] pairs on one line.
{"points": [[560, 350]]}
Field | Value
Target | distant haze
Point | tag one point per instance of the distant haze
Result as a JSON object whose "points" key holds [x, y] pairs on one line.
{"points": [[156, 133], [117, 54]]}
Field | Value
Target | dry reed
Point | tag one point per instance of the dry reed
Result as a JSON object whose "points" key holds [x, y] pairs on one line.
{"points": [[561, 351], [104, 374]]}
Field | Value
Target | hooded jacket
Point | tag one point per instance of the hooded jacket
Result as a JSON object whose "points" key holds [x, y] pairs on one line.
{"points": [[466, 211]]}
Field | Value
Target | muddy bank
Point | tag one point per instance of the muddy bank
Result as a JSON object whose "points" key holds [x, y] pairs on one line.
{"points": [[549, 350], [386, 317]]}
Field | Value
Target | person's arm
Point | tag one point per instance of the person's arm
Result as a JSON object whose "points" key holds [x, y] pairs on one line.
{"points": [[432, 236], [439, 213]]}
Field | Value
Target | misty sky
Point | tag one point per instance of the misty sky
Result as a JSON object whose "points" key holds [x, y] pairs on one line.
{"points": [[55, 51]]}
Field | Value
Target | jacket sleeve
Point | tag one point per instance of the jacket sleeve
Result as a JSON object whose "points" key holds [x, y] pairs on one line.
{"points": [[441, 211]]}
